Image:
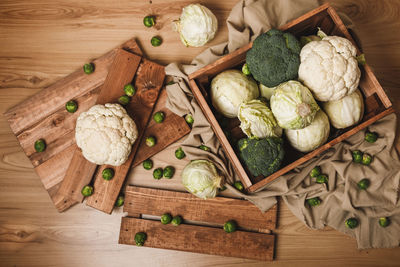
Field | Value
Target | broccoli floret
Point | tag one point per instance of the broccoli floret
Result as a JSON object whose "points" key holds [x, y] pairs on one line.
{"points": [[274, 58], [261, 156]]}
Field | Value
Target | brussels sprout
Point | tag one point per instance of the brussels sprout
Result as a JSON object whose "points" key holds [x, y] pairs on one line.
{"points": [[177, 220], [140, 238], [366, 159], [166, 218], [151, 141], [107, 174], [223, 188], [238, 185], [159, 117], [384, 221], [124, 100], [351, 223], [189, 119], [169, 172], [230, 226], [40, 145], [179, 153], [363, 184], [149, 21], [158, 173], [88, 68], [245, 69], [357, 156], [205, 148], [87, 190], [322, 179], [316, 171], [120, 201], [129, 90], [148, 164], [371, 137], [315, 201], [71, 106], [156, 41]]}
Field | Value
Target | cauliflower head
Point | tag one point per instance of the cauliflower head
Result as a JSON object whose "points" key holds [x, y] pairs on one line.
{"points": [[329, 68], [105, 133]]}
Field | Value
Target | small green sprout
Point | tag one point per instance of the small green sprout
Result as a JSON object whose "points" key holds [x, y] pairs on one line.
{"points": [[366, 159], [149, 21], [177, 220], [88, 68], [371, 137], [166, 218], [363, 184], [71, 106], [168, 172], [156, 41], [316, 171], [357, 156], [189, 119], [321, 179], [179, 153], [140, 238], [87, 190], [151, 141], [205, 148], [158, 173], [159, 117], [239, 186], [245, 69], [230, 226], [148, 164], [40, 145], [120, 201], [351, 223], [129, 90], [384, 221], [313, 202], [107, 174], [124, 100]]}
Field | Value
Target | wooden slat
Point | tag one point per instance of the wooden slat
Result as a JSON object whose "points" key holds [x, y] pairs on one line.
{"points": [[80, 170], [200, 239], [218, 210], [148, 82]]}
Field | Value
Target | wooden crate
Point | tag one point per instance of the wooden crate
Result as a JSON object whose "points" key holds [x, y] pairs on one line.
{"points": [[377, 104]]}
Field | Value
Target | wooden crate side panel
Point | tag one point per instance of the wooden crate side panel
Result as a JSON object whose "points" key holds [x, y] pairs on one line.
{"points": [[199, 239], [139, 200]]}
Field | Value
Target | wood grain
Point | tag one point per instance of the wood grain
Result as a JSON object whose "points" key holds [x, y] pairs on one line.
{"points": [[43, 41]]}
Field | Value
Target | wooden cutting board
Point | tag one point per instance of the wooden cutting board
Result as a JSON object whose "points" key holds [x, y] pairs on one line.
{"points": [[201, 230], [43, 115]]}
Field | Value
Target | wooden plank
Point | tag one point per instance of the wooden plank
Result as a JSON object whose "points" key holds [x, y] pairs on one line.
{"points": [[148, 83], [218, 210], [199, 239], [80, 170]]}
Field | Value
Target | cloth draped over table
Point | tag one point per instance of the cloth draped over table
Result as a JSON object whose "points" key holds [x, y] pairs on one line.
{"points": [[341, 198]]}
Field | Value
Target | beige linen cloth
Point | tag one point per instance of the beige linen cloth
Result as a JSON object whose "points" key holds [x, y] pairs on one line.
{"points": [[341, 199]]}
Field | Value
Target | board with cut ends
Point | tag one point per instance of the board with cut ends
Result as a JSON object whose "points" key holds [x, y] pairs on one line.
{"points": [[202, 227], [43, 115]]}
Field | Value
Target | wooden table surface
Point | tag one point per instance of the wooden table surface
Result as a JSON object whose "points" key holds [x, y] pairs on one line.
{"points": [[43, 40]]}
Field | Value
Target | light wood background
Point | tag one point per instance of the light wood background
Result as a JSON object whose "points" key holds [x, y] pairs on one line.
{"points": [[42, 41]]}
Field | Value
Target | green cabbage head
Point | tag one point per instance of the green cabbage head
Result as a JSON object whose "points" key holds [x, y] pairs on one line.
{"points": [[201, 178], [257, 120], [293, 105]]}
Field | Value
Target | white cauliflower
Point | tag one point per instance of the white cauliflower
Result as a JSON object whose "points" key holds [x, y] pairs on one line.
{"points": [[105, 133], [329, 68]]}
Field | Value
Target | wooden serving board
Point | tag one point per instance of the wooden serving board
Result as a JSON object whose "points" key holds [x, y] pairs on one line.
{"points": [[43, 115], [201, 230]]}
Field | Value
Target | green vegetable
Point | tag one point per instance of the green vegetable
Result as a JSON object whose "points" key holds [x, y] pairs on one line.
{"points": [[366, 159], [313, 202], [179, 153], [384, 221], [230, 226], [120, 201], [124, 100], [158, 173], [40, 145], [361, 59], [239, 186], [129, 90], [201, 178], [149, 21], [177, 220], [88, 68], [351, 223], [371, 137], [151, 141], [148, 164], [87, 190], [159, 117], [321, 179], [168, 172], [357, 156], [261, 156], [245, 69], [156, 41], [71, 106], [363, 184], [166, 218], [189, 119], [274, 58], [315, 171], [140, 238], [205, 148], [107, 174]]}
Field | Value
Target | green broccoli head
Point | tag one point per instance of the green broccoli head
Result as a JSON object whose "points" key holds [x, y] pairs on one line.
{"points": [[274, 58], [261, 156]]}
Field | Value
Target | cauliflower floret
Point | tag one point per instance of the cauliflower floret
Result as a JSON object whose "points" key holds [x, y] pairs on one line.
{"points": [[105, 133], [329, 68]]}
